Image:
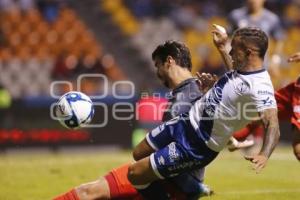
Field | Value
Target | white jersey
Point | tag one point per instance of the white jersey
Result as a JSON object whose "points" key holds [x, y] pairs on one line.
{"points": [[233, 102]]}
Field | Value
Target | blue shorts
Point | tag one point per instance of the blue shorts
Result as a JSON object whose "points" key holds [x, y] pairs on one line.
{"points": [[178, 149]]}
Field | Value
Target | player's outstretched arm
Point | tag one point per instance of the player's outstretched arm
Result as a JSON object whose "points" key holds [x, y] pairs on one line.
{"points": [[271, 138], [220, 39], [294, 58], [206, 81], [233, 144]]}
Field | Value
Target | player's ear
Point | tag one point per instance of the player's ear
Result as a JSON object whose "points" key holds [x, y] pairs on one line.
{"points": [[170, 60]]}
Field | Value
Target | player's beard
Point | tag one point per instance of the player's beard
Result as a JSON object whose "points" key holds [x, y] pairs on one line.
{"points": [[238, 65], [163, 80]]}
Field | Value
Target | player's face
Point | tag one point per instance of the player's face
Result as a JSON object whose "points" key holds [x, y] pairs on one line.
{"points": [[255, 4], [162, 71], [237, 54]]}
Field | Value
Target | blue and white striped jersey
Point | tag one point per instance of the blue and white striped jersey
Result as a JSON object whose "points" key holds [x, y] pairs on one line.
{"points": [[234, 101]]}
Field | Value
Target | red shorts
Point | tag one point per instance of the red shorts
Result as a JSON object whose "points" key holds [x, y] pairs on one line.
{"points": [[121, 188], [288, 103]]}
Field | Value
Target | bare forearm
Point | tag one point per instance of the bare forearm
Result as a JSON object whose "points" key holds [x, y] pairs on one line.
{"points": [[271, 139], [226, 58]]}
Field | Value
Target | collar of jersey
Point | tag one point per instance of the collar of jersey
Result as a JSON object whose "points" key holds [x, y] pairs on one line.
{"points": [[252, 72], [183, 83]]}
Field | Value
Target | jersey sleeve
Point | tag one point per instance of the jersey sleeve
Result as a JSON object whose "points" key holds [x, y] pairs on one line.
{"points": [[263, 96]]}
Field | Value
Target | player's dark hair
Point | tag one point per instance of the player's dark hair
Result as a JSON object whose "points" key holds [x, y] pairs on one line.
{"points": [[178, 51], [253, 36]]}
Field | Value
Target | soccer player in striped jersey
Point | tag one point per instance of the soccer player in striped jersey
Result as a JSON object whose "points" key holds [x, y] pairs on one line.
{"points": [[193, 140], [288, 103]]}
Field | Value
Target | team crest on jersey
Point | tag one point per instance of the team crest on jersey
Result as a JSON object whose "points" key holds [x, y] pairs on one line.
{"points": [[242, 88]]}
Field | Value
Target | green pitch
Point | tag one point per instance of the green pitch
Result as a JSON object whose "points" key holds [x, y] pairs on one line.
{"points": [[40, 176]]}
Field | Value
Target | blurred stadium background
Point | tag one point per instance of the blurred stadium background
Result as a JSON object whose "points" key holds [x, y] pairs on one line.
{"points": [[42, 41]]}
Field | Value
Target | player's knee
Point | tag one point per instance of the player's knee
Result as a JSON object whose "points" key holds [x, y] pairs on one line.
{"points": [[132, 175], [93, 190], [83, 191]]}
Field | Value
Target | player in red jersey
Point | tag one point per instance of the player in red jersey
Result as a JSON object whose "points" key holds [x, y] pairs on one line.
{"points": [[288, 102]]}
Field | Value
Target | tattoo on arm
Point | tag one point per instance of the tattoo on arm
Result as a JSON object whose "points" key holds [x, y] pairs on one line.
{"points": [[272, 133], [226, 58]]}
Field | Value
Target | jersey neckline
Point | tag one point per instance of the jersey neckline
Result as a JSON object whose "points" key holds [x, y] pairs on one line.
{"points": [[251, 72]]}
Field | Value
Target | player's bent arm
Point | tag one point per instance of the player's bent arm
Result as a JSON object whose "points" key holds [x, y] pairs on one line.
{"points": [[233, 144], [271, 138], [272, 133], [220, 39], [226, 58]]}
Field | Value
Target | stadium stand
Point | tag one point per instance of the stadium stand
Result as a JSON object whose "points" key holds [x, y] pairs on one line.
{"points": [[189, 22], [46, 40], [41, 43]]}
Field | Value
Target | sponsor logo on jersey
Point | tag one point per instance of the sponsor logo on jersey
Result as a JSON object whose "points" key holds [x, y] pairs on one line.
{"points": [[242, 87], [184, 165], [264, 92], [173, 155]]}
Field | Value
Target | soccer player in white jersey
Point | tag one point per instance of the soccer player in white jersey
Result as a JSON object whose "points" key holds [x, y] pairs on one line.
{"points": [[194, 139]]}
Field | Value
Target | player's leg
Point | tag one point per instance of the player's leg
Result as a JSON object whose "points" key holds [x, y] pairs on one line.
{"points": [[114, 185], [154, 140], [70, 195], [143, 178], [98, 189], [296, 142], [192, 184], [142, 150], [170, 161]]}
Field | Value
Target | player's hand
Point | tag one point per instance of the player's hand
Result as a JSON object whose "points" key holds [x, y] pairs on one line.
{"points": [[294, 58], [233, 144], [206, 81], [220, 36], [259, 162]]}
